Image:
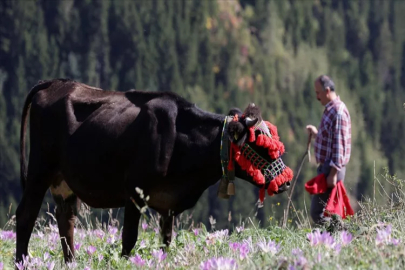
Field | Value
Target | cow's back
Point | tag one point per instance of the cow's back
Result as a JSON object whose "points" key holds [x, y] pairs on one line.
{"points": [[87, 135]]}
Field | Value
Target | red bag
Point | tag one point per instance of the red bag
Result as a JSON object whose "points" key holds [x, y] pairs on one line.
{"points": [[338, 202]]}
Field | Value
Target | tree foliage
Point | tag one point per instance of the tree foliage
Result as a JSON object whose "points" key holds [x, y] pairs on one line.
{"points": [[219, 54]]}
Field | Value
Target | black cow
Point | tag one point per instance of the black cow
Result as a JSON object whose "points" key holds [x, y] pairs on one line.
{"points": [[99, 146]]}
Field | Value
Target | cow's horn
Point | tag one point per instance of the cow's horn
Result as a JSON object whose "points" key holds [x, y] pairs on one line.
{"points": [[249, 120]]}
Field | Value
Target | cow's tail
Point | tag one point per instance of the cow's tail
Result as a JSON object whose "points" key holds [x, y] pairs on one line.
{"points": [[23, 168]]}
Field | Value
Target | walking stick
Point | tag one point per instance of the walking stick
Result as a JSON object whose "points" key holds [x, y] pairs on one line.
{"points": [[307, 152]]}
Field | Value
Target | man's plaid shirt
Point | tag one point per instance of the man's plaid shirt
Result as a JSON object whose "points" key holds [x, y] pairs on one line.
{"points": [[333, 142]]}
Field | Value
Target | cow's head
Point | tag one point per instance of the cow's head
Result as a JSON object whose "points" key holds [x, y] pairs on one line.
{"points": [[256, 151]]}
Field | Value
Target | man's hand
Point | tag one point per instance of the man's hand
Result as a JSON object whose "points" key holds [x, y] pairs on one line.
{"points": [[331, 180], [312, 130]]}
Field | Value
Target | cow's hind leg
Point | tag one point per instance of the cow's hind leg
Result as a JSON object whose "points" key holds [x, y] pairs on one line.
{"points": [[66, 212], [27, 211], [166, 225], [130, 227]]}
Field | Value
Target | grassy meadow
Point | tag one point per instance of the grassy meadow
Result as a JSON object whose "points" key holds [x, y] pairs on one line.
{"points": [[373, 239]]}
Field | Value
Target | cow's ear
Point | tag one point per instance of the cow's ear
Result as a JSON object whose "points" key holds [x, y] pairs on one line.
{"points": [[236, 132], [235, 111]]}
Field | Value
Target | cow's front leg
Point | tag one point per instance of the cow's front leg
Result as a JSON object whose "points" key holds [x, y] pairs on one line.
{"points": [[130, 228], [166, 225]]}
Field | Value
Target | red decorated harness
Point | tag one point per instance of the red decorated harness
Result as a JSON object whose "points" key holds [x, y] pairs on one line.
{"points": [[263, 172]]}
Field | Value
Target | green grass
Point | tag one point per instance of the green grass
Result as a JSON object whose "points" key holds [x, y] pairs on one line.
{"points": [[372, 245]]}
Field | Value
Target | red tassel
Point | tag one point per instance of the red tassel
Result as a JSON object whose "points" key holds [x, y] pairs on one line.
{"points": [[275, 147], [270, 143], [252, 134], [282, 178], [259, 178], [262, 194], [260, 141]]}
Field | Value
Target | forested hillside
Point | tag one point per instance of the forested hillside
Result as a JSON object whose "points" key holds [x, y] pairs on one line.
{"points": [[219, 54]]}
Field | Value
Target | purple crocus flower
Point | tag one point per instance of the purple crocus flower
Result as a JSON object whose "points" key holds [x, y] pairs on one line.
{"points": [[100, 257], [395, 242], [40, 235], [37, 262], [54, 228], [234, 246], [346, 237], [137, 260], [99, 233], [20, 265], [269, 247], [1, 266], [71, 265], [337, 248], [46, 256], [384, 237], [77, 246], [248, 241], [196, 231], [222, 233], [317, 238], [243, 250], [53, 238], [159, 255], [240, 229], [24, 263], [327, 239], [144, 225], [314, 237], [149, 263], [297, 252], [111, 239], [142, 244], [219, 263], [112, 230], [299, 259], [50, 265], [7, 235], [90, 250]]}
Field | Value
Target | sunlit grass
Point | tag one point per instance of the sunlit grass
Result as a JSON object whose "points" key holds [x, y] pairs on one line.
{"points": [[373, 239]]}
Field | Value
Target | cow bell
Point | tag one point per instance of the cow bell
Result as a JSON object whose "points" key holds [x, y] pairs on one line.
{"points": [[223, 188], [231, 189]]}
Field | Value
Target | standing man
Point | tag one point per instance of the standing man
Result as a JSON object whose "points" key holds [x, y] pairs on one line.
{"points": [[332, 143]]}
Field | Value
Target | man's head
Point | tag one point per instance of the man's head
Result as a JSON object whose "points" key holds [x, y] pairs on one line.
{"points": [[324, 89]]}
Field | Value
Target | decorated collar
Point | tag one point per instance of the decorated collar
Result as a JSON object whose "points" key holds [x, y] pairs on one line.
{"points": [[228, 170]]}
